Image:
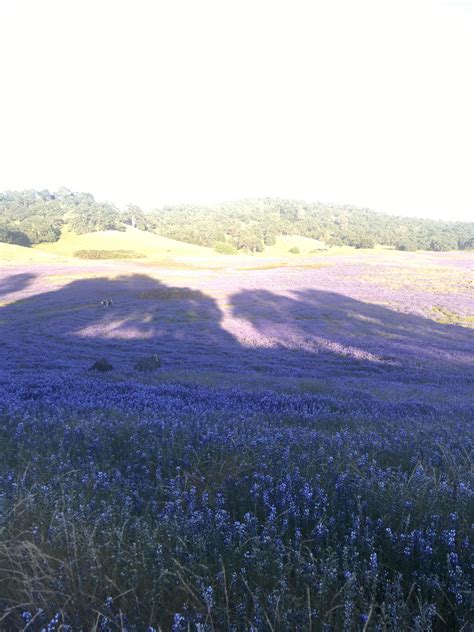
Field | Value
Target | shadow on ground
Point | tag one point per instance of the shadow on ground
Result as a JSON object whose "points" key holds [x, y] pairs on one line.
{"points": [[310, 334]]}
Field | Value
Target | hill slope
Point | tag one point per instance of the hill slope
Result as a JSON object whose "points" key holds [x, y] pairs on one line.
{"points": [[13, 253], [143, 243]]}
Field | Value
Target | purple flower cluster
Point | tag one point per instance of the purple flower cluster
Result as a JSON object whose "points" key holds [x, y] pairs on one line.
{"points": [[180, 505]]}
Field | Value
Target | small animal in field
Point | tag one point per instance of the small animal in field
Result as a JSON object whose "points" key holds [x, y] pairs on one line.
{"points": [[107, 302]]}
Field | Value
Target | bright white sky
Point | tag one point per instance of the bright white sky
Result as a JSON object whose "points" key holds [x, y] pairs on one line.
{"points": [[368, 102]]}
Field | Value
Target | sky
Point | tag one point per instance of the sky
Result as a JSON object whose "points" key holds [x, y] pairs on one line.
{"points": [[367, 102]]}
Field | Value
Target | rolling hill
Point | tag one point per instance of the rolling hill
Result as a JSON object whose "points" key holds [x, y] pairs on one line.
{"points": [[142, 243]]}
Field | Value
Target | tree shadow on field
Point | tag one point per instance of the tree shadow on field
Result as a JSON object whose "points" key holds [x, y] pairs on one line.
{"points": [[337, 327], [68, 327], [15, 283], [309, 333]]}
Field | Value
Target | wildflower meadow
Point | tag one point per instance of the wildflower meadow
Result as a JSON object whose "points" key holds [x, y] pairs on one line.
{"points": [[300, 459]]}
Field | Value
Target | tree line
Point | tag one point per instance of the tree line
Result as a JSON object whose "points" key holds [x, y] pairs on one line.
{"points": [[31, 217]]}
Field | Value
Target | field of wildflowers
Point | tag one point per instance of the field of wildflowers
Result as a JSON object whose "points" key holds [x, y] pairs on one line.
{"points": [[300, 461]]}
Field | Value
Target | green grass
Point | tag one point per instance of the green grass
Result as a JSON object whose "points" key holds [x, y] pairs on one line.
{"points": [[21, 254], [148, 244]]}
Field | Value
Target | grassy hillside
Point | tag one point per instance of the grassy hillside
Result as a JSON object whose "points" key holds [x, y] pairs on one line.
{"points": [[152, 248], [10, 252], [155, 249], [284, 243], [143, 243]]}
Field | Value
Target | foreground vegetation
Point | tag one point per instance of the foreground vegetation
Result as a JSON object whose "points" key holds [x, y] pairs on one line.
{"points": [[32, 217], [136, 507]]}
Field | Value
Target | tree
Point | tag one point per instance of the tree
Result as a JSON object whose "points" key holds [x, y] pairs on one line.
{"points": [[12, 236], [246, 224], [443, 243], [88, 218], [364, 242], [406, 244], [135, 217], [41, 229], [270, 239], [247, 240]]}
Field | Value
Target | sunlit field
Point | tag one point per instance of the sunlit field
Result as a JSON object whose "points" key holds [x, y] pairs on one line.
{"points": [[301, 460]]}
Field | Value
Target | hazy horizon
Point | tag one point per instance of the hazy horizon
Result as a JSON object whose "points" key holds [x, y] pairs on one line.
{"points": [[155, 103]]}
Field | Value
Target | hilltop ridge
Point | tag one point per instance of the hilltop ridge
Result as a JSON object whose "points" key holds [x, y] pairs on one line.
{"points": [[34, 217]]}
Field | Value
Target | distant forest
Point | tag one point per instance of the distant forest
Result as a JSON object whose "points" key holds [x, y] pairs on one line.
{"points": [[32, 217]]}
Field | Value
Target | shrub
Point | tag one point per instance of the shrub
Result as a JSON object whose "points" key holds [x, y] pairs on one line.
{"points": [[224, 248], [406, 245], [101, 365], [270, 239], [294, 250], [109, 254]]}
